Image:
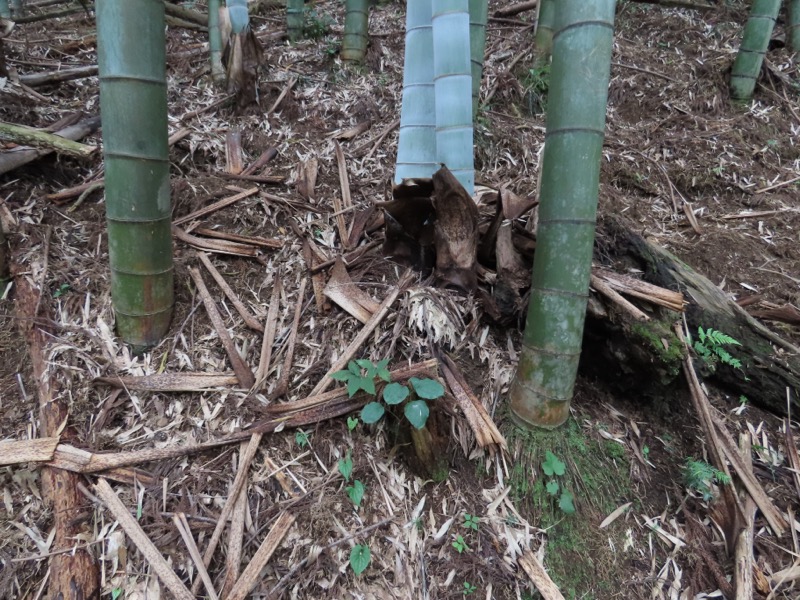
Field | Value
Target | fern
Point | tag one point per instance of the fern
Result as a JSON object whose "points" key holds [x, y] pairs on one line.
{"points": [[709, 348], [699, 475]]}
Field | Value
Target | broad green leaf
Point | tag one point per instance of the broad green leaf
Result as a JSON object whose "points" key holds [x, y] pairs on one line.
{"points": [[353, 385], [382, 364], [301, 437], [395, 393], [565, 503], [359, 558], [552, 487], [372, 412], [417, 413], [341, 375], [552, 466], [355, 492], [368, 385], [364, 363], [353, 367], [428, 389], [382, 372], [346, 467], [352, 423]]}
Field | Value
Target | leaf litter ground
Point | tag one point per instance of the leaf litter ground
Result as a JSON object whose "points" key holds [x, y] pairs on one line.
{"points": [[674, 147]]}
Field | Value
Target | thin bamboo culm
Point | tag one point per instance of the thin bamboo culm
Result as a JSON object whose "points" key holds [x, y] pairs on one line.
{"points": [[215, 44], [794, 28], [755, 40], [294, 19], [543, 39], [478, 13], [416, 146], [356, 31]]}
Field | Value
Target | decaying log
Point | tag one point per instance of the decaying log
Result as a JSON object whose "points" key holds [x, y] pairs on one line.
{"points": [[648, 354], [72, 574], [12, 159]]}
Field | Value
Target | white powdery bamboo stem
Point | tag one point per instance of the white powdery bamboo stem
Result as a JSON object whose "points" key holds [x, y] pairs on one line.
{"points": [[416, 146], [452, 79]]}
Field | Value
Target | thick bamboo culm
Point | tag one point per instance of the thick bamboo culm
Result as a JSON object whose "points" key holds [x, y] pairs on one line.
{"points": [[478, 13], [356, 31], [755, 41]]}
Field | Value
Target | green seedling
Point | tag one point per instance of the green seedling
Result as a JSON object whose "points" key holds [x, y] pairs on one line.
{"points": [[352, 423], [416, 406], [709, 348], [359, 558], [471, 521], [553, 467], [62, 290], [360, 375], [355, 492], [346, 466], [301, 438], [460, 545], [468, 588], [699, 475]]}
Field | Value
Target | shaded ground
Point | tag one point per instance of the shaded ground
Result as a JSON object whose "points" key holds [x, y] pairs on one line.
{"points": [[674, 143]]}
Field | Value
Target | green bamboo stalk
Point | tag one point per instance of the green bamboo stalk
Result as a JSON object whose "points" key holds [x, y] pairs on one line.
{"points": [[237, 12], [16, 8], [294, 19], [133, 107], [356, 31], [478, 13], [794, 27], [543, 39], [215, 44], [416, 145], [755, 41], [5, 10], [452, 78], [542, 388]]}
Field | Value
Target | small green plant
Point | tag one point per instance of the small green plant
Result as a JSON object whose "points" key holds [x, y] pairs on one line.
{"points": [[553, 468], [709, 348], [460, 545], [359, 558], [301, 438], [352, 423], [743, 400], [62, 290], [468, 588], [355, 492], [537, 84], [699, 475], [471, 521], [360, 375], [646, 452], [415, 410], [116, 593], [346, 466]]}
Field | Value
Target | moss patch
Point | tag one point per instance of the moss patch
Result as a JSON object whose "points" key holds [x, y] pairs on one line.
{"points": [[584, 561]]}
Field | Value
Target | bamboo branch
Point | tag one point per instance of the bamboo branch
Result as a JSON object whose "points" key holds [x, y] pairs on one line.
{"points": [[36, 138]]}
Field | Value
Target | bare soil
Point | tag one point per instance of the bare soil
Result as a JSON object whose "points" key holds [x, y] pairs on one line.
{"points": [[675, 145]]}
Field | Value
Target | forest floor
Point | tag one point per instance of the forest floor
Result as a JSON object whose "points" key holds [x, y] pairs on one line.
{"points": [[675, 146]]}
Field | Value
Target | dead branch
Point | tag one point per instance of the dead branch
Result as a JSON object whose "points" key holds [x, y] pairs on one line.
{"points": [[515, 9], [538, 576], [38, 79], [249, 319]]}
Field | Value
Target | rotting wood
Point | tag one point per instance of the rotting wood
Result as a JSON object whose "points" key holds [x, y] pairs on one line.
{"points": [[482, 425], [14, 452], [538, 576], [642, 290], [220, 247], [282, 387], [234, 162], [786, 313], [346, 202], [237, 488], [615, 297], [171, 382], [269, 335], [137, 535], [263, 160], [250, 320], [74, 574], [252, 573], [182, 525], [243, 373], [29, 136], [12, 159], [37, 79], [366, 331], [743, 563], [515, 9], [207, 210], [233, 556], [250, 240]]}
